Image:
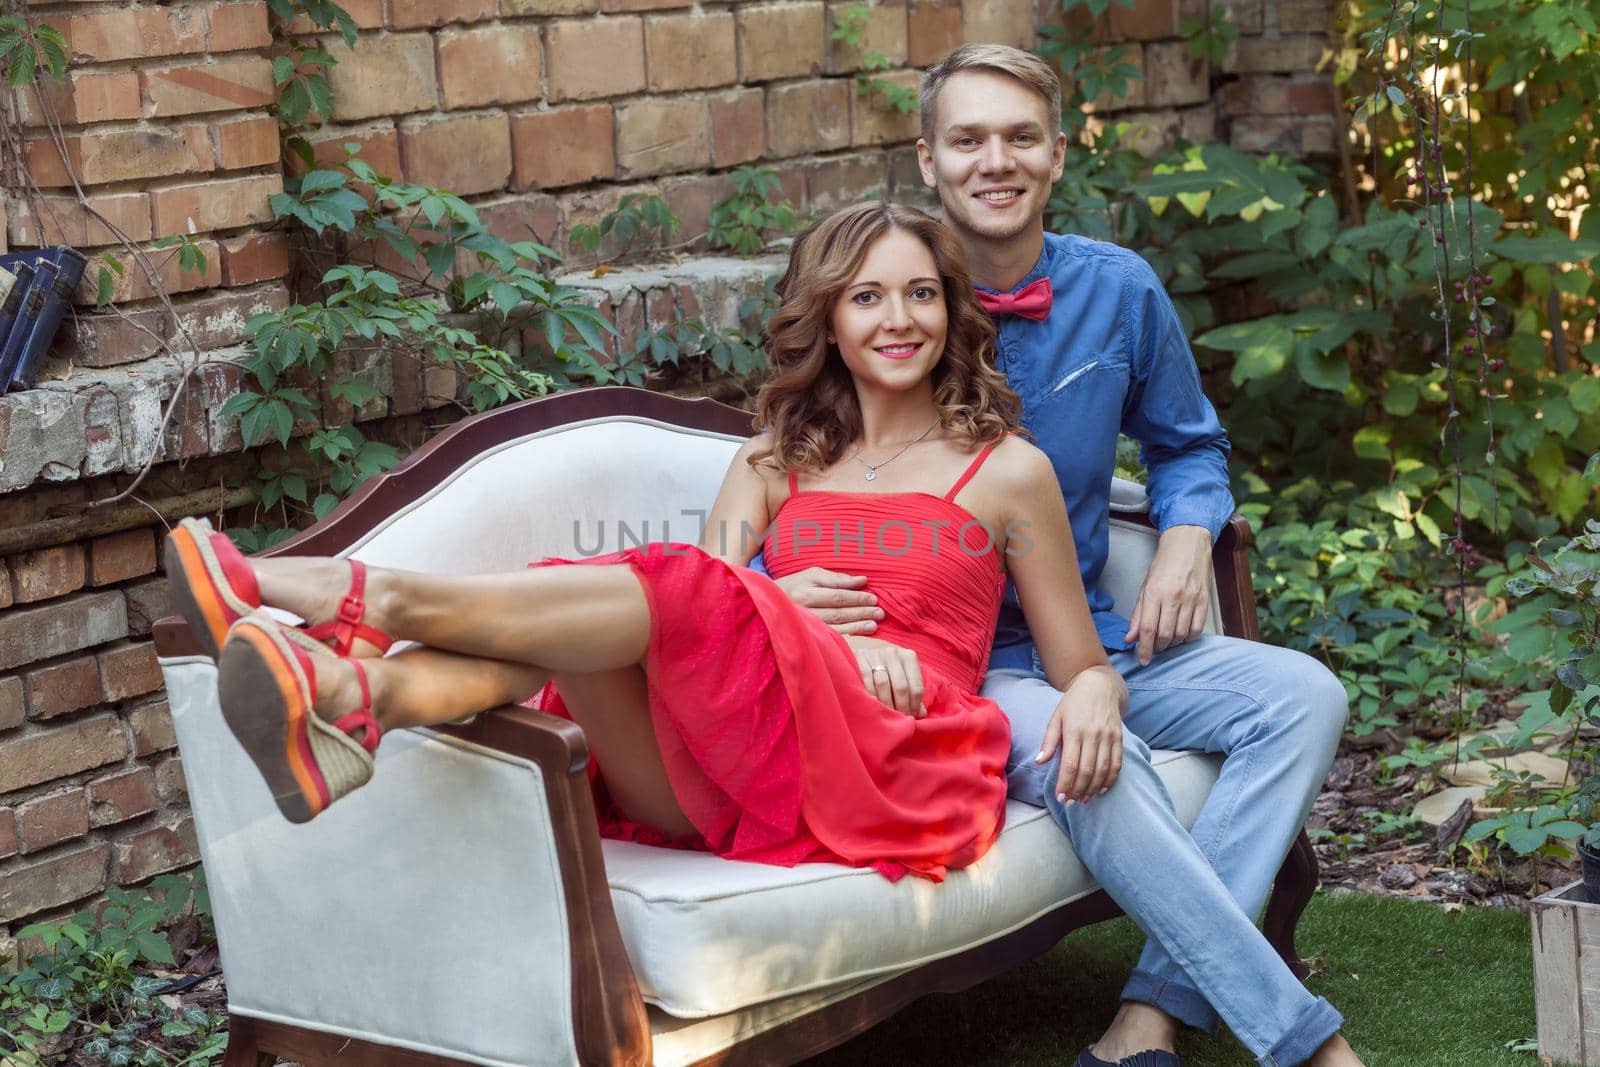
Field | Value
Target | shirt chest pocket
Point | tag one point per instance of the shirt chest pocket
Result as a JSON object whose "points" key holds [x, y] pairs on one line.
{"points": [[1071, 377], [1100, 374]]}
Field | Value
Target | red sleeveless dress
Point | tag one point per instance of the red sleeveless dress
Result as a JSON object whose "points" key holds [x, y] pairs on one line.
{"points": [[775, 749]]}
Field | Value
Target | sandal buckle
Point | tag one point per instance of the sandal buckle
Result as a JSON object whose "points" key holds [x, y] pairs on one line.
{"points": [[351, 610]]}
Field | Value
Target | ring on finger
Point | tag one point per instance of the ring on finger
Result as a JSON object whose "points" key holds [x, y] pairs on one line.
{"points": [[880, 667]]}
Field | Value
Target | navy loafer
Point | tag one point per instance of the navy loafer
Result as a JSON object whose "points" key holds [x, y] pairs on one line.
{"points": [[1148, 1058]]}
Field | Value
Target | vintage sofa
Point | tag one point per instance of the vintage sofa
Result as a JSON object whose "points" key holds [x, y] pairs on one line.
{"points": [[462, 909]]}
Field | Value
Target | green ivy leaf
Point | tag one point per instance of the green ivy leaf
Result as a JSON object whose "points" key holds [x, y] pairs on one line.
{"points": [[1401, 398], [321, 180], [1584, 395], [23, 60], [294, 102], [1391, 500], [1547, 248], [254, 425], [440, 258], [280, 418], [506, 297], [1329, 371], [1524, 840], [153, 947], [104, 287], [321, 95]]}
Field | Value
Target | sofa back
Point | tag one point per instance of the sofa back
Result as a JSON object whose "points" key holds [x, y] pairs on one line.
{"points": [[585, 488]]}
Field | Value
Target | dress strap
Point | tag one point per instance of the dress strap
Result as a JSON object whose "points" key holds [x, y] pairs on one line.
{"points": [[794, 484], [970, 471]]}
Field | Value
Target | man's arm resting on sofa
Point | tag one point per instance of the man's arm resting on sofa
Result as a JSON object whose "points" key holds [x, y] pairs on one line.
{"points": [[1186, 452]]}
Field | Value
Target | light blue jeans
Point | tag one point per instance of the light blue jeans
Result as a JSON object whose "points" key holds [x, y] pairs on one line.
{"points": [[1277, 716]]}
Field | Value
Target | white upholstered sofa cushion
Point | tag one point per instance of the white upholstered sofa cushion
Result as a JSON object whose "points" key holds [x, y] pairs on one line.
{"points": [[708, 935]]}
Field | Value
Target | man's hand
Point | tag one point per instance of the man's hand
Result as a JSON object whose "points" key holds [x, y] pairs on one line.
{"points": [[1087, 726], [891, 673], [840, 600], [1175, 597]]}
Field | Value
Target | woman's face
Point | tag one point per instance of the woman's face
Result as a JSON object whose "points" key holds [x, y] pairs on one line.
{"points": [[890, 321]]}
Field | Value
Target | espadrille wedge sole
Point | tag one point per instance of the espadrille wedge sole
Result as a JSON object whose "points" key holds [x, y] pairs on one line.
{"points": [[268, 690], [206, 594]]}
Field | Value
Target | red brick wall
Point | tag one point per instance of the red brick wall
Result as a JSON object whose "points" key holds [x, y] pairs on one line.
{"points": [[164, 121], [1263, 96], [544, 113], [91, 792], [165, 125], [554, 109]]}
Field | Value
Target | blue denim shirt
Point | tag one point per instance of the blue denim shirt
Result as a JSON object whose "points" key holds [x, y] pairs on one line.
{"points": [[1111, 357]]}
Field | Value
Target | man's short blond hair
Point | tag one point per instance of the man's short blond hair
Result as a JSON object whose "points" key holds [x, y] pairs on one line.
{"points": [[1024, 67]]}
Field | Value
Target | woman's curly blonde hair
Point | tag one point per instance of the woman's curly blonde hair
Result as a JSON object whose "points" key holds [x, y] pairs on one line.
{"points": [[808, 407]]}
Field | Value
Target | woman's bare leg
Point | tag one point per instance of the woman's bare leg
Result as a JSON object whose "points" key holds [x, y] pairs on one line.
{"points": [[613, 707], [562, 618], [495, 639], [425, 687]]}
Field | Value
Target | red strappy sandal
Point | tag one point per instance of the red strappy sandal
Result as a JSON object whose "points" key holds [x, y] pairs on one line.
{"points": [[212, 584], [267, 684], [213, 587], [348, 625]]}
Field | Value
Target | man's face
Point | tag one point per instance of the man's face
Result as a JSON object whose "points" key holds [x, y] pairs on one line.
{"points": [[996, 151]]}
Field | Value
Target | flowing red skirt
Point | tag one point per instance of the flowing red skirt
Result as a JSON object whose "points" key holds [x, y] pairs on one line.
{"points": [[775, 749]]}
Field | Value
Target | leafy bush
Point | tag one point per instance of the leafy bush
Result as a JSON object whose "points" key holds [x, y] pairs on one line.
{"points": [[637, 216], [1561, 609], [1337, 579], [461, 298], [742, 221], [694, 343], [87, 998]]}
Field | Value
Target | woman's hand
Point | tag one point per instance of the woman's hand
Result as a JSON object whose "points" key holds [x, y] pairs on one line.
{"points": [[1087, 727], [840, 600], [891, 672]]}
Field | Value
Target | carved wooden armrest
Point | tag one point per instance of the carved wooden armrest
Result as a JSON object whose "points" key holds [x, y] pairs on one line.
{"points": [[1235, 594], [608, 1017]]}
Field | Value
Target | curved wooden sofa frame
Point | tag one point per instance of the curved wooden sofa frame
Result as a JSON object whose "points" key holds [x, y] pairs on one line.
{"points": [[609, 1018]]}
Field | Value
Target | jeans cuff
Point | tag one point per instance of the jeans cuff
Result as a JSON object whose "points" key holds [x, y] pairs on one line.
{"points": [[1179, 1001], [1316, 1024]]}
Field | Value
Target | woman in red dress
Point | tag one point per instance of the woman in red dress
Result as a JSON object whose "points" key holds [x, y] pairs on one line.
{"points": [[721, 714]]}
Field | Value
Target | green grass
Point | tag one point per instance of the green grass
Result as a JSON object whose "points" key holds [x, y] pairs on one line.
{"points": [[1418, 986]]}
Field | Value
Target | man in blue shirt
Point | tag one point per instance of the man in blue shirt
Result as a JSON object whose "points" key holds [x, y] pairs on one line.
{"points": [[1090, 341]]}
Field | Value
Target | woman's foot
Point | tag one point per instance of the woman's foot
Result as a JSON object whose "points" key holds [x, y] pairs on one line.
{"points": [[302, 714], [214, 585], [332, 595]]}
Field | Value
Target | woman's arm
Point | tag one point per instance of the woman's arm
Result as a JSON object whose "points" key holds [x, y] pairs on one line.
{"points": [[739, 518], [1043, 562]]}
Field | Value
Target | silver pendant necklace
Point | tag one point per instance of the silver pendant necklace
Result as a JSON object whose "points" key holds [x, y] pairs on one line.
{"points": [[873, 468]]}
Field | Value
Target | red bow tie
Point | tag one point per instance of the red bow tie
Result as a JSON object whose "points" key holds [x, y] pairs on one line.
{"points": [[1032, 301]]}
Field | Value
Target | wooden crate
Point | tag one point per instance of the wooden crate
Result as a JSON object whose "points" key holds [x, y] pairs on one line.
{"points": [[1566, 975]]}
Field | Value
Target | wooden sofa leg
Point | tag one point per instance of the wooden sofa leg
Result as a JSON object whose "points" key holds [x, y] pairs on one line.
{"points": [[1291, 892], [242, 1050]]}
